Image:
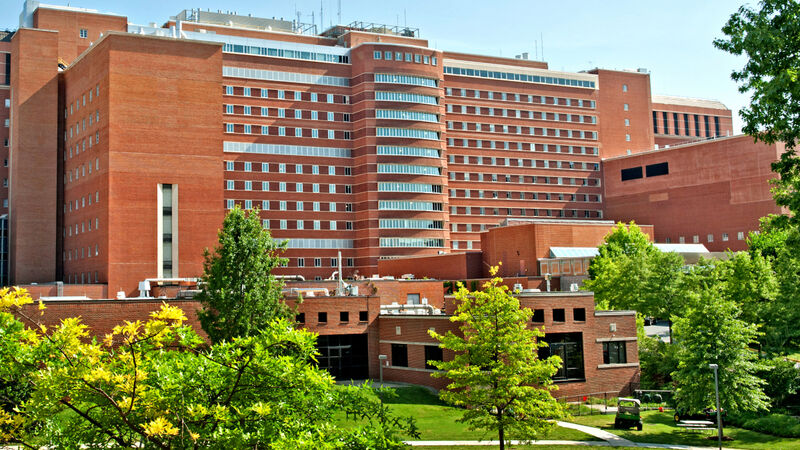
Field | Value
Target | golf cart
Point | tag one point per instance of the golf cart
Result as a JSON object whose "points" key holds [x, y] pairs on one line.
{"points": [[628, 413]]}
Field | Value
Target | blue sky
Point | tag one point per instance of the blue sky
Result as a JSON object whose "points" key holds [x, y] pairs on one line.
{"points": [[672, 39]]}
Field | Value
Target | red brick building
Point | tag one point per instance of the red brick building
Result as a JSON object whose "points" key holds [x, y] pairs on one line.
{"points": [[128, 143]]}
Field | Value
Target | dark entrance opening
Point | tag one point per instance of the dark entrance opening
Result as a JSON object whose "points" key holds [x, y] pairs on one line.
{"points": [[344, 356], [568, 346]]}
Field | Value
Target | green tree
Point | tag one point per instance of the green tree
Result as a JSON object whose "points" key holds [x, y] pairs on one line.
{"points": [[239, 294], [630, 273], [768, 38], [151, 383], [495, 373], [712, 332]]}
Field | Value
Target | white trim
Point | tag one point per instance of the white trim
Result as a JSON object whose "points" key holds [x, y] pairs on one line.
{"points": [[616, 339], [408, 343], [617, 366]]}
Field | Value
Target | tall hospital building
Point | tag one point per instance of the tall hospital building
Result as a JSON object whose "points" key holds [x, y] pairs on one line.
{"points": [[126, 144]]}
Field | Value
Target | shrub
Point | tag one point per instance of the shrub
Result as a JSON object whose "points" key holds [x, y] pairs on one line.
{"points": [[774, 424]]}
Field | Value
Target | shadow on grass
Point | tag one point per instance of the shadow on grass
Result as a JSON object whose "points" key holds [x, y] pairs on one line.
{"points": [[415, 396]]}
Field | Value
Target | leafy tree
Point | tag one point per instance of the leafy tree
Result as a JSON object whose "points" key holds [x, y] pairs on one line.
{"points": [[151, 384], [712, 332], [239, 294], [630, 273], [768, 37], [495, 373]]}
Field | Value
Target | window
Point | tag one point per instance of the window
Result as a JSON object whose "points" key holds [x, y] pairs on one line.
{"points": [[654, 170], [614, 353], [538, 316], [298, 95], [432, 353], [84, 33], [344, 316], [322, 317], [558, 315], [724, 237], [740, 235], [317, 262], [568, 346], [300, 318], [624, 88], [298, 114], [376, 55], [579, 314], [710, 238], [363, 316], [400, 355]]}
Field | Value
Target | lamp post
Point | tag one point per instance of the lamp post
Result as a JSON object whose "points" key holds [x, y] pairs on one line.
{"points": [[381, 359], [715, 367]]}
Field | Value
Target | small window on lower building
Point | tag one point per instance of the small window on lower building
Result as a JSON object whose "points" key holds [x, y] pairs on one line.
{"points": [[432, 353], [724, 237], [412, 299], [400, 355], [538, 316], [740, 235], [300, 318], [344, 316], [322, 317], [710, 238], [363, 316], [579, 314], [559, 315], [614, 353]]}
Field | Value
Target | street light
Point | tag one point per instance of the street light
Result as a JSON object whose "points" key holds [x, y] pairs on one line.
{"points": [[715, 367]]}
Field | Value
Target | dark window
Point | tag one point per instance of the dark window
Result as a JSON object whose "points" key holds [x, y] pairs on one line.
{"points": [[400, 355], [579, 314], [363, 316], [654, 170], [708, 130], [686, 124], [344, 316], [716, 126], [559, 315], [432, 353], [665, 116], [631, 173], [614, 353], [568, 346], [300, 318], [696, 125], [538, 316], [655, 122], [322, 317], [677, 126], [345, 356]]}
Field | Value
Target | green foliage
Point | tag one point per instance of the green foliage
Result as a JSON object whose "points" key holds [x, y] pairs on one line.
{"points": [[495, 373], [712, 332], [152, 384], [782, 381], [630, 273], [774, 424], [239, 294], [657, 361]]}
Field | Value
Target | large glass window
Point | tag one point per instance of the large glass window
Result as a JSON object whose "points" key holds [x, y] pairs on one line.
{"points": [[614, 353], [569, 347]]}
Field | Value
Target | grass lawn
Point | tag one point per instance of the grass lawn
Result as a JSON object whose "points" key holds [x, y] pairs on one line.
{"points": [[660, 428], [437, 421]]}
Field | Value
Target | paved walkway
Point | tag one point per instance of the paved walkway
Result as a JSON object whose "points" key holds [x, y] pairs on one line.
{"points": [[608, 440]]}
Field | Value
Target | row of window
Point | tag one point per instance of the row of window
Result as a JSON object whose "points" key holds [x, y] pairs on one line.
{"points": [[652, 170], [522, 162], [709, 238], [299, 132], [511, 76], [81, 125], [524, 212], [566, 181], [520, 114], [299, 169], [524, 98], [538, 196], [406, 97], [409, 169], [411, 224], [286, 53], [391, 150], [79, 147], [81, 253], [288, 77], [677, 124], [408, 205], [520, 130], [322, 316], [402, 242], [80, 171], [412, 80], [76, 105], [420, 188], [283, 205], [395, 114], [264, 186], [334, 262], [284, 149], [282, 94], [85, 277], [520, 146], [407, 57], [410, 133], [300, 114], [300, 224], [83, 202], [82, 227]]}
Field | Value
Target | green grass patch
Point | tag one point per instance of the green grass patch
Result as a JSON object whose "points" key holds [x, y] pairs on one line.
{"points": [[438, 421], [660, 428]]}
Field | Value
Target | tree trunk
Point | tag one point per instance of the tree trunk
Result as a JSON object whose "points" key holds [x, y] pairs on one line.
{"points": [[669, 321], [501, 435]]}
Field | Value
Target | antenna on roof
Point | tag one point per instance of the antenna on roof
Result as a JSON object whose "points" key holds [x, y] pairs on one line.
{"points": [[321, 21], [541, 35], [339, 14]]}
